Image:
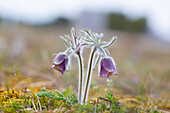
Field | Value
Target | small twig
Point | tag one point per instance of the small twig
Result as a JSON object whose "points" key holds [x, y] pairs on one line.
{"points": [[108, 101], [101, 98], [39, 103]]}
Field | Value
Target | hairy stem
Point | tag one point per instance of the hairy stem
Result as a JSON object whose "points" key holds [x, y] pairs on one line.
{"points": [[88, 79], [80, 78]]}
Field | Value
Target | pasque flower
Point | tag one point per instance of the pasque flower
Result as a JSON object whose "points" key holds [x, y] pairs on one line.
{"points": [[60, 63], [75, 44], [107, 68]]}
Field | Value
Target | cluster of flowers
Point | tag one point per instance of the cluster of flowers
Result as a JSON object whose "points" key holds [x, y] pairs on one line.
{"points": [[75, 44]]}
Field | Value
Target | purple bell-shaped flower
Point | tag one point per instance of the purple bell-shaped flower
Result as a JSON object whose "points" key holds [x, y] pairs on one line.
{"points": [[60, 63], [107, 68]]}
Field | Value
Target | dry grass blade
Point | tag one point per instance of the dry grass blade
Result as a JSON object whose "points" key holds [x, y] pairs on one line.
{"points": [[39, 103], [70, 111], [34, 105], [18, 80]]}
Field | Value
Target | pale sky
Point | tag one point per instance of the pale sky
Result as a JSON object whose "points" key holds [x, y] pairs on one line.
{"points": [[35, 11]]}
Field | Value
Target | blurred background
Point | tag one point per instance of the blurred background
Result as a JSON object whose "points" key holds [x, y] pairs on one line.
{"points": [[30, 31]]}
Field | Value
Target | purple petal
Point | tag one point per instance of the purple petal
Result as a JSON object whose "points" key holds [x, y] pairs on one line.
{"points": [[103, 73], [52, 67], [107, 64], [61, 67], [114, 71], [59, 58], [66, 63]]}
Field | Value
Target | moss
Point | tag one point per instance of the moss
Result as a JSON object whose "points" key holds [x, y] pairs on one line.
{"points": [[12, 100]]}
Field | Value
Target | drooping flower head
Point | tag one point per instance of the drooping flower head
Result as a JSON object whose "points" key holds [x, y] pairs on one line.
{"points": [[60, 63], [107, 68]]}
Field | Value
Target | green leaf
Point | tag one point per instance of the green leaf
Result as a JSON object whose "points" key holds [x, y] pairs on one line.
{"points": [[59, 98], [70, 96], [110, 43], [88, 106], [102, 43], [93, 36], [47, 94], [103, 107], [87, 32], [7, 88], [30, 101], [43, 90], [88, 40], [67, 92], [58, 93], [65, 41], [97, 40], [92, 44]]}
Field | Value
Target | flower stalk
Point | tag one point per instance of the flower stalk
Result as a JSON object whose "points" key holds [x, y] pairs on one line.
{"points": [[89, 75], [80, 89]]}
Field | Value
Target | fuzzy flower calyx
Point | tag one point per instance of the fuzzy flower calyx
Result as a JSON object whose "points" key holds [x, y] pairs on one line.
{"points": [[74, 42]]}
